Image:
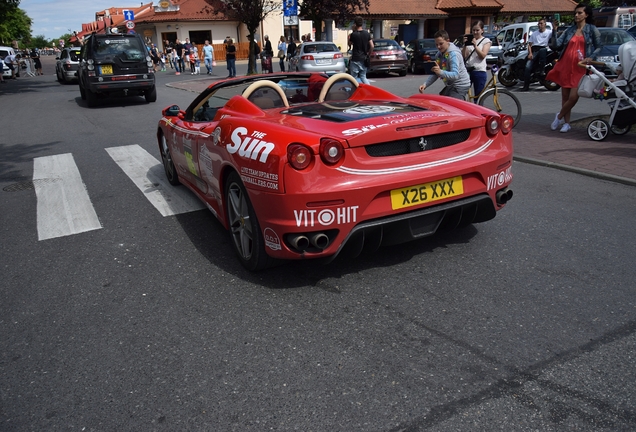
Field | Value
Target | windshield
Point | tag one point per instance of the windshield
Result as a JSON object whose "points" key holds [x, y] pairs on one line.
{"points": [[123, 48], [428, 44], [614, 37]]}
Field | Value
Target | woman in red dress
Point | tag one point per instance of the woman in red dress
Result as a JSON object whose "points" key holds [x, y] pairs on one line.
{"points": [[579, 42]]}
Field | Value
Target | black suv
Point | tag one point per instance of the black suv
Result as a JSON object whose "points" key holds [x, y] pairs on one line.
{"points": [[115, 64]]}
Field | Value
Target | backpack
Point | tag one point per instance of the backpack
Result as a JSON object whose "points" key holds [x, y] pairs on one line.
{"points": [[257, 49]]}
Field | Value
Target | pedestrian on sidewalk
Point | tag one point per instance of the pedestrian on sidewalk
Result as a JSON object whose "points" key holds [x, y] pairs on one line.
{"points": [[230, 57], [579, 42], [449, 67], [475, 51], [168, 50], [282, 52], [291, 51], [195, 63], [179, 63], [208, 56]]}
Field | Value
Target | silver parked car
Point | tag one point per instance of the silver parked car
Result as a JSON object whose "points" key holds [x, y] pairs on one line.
{"points": [[318, 57], [67, 65]]}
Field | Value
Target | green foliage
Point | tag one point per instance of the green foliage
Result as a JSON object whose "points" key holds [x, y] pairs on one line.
{"points": [[339, 10], [14, 24], [251, 13]]}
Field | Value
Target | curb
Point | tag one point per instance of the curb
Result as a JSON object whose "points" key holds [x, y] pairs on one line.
{"points": [[582, 171]]}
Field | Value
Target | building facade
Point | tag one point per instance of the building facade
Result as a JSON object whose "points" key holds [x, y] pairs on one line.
{"points": [[198, 20]]}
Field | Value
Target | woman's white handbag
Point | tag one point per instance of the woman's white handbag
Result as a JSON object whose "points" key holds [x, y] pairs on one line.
{"points": [[588, 84]]}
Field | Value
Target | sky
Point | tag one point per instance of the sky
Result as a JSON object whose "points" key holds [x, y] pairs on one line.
{"points": [[53, 18]]}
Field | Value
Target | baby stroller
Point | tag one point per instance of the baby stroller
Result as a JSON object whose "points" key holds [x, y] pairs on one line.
{"points": [[620, 95], [266, 62]]}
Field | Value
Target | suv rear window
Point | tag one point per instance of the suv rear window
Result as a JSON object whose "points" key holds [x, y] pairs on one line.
{"points": [[124, 48], [74, 55]]}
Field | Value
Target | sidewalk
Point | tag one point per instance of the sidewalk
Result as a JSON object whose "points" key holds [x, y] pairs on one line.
{"points": [[613, 159]]}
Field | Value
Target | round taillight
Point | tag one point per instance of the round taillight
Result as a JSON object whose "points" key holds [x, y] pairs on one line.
{"points": [[331, 151], [299, 156], [492, 125], [507, 123]]}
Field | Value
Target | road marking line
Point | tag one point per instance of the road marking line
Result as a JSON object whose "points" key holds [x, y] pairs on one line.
{"points": [[147, 174], [63, 205]]}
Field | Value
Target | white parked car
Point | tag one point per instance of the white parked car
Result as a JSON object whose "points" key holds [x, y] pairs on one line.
{"points": [[318, 57]]}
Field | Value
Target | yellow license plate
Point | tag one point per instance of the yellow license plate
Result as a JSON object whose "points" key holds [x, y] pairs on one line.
{"points": [[426, 192], [107, 69]]}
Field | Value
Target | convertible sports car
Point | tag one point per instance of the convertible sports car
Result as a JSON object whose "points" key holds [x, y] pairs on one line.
{"points": [[301, 165]]}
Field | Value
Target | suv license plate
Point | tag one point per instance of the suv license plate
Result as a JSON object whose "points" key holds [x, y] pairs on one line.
{"points": [[107, 69], [427, 192]]}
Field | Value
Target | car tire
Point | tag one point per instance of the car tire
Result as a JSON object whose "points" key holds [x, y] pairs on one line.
{"points": [[82, 91], [168, 164], [403, 72], [59, 78], [245, 231], [151, 95], [91, 98]]}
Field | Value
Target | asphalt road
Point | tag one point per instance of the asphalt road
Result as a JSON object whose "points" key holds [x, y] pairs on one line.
{"points": [[525, 322]]}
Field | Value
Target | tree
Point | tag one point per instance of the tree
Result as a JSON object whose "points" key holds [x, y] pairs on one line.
{"points": [[14, 25], [339, 10], [38, 41], [251, 13]]}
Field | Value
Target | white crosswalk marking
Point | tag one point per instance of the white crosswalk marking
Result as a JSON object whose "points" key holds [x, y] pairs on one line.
{"points": [[63, 207], [147, 173]]}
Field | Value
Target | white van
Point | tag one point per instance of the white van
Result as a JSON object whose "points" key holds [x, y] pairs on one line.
{"points": [[612, 16], [5, 51], [518, 32]]}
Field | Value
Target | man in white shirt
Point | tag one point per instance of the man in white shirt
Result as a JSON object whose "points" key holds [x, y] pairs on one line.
{"points": [[537, 50], [11, 60]]}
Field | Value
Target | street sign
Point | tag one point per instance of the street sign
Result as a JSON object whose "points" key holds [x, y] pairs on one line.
{"points": [[130, 25], [290, 8], [129, 15], [290, 20]]}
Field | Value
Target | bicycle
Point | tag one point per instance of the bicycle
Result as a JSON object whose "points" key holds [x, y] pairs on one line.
{"points": [[496, 99]]}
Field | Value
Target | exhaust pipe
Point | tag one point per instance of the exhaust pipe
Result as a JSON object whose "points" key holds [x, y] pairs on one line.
{"points": [[299, 242], [503, 196], [319, 240]]}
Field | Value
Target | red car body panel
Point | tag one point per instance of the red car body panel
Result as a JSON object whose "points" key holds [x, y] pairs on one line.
{"points": [[356, 192]]}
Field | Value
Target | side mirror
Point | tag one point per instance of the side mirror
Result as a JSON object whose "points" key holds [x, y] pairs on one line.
{"points": [[171, 111]]}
